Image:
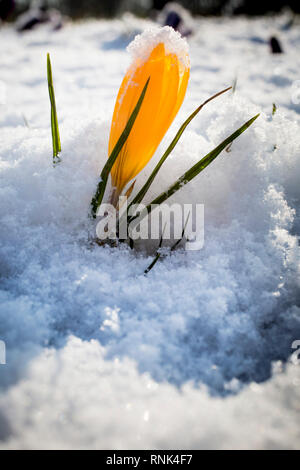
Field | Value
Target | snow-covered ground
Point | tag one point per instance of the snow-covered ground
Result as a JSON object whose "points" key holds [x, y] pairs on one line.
{"points": [[198, 353]]}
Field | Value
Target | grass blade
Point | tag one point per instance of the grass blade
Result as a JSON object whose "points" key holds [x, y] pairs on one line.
{"points": [[198, 167], [56, 145], [173, 247], [97, 199], [138, 198], [153, 263], [158, 254], [182, 234]]}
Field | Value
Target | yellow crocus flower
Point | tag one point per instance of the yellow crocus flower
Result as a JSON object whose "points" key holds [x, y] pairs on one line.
{"points": [[169, 74]]}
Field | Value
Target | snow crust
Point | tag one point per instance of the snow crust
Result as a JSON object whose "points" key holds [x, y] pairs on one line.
{"points": [[142, 45]]}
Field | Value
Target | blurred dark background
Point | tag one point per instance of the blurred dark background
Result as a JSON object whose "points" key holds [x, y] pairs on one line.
{"points": [[111, 8]]}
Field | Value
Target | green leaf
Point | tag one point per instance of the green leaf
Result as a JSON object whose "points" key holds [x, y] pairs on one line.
{"points": [[138, 198], [158, 254], [54, 122], [173, 247], [151, 265], [182, 234], [97, 199], [197, 168]]}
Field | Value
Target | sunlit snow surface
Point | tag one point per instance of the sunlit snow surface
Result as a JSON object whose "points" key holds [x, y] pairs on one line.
{"points": [[196, 354]]}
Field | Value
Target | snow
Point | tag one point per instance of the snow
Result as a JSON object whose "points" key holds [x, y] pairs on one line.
{"points": [[197, 353], [142, 45]]}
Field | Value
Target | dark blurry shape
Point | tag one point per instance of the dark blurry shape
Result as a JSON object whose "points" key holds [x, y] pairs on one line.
{"points": [[177, 17], [6, 8], [159, 4], [205, 7], [258, 7], [112, 8], [275, 45], [31, 18], [87, 8], [38, 14], [173, 19], [238, 7]]}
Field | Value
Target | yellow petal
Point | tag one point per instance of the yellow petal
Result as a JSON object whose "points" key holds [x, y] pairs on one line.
{"points": [[164, 96]]}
